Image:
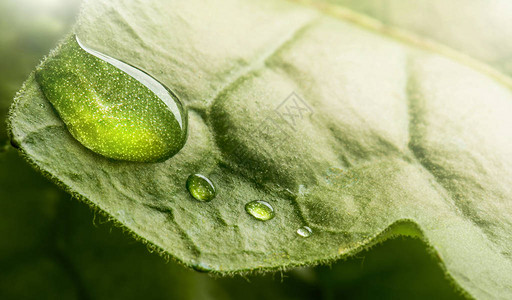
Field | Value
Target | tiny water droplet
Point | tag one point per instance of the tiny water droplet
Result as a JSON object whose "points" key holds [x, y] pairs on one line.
{"points": [[201, 267], [111, 107], [304, 231], [200, 187], [41, 105], [260, 210]]}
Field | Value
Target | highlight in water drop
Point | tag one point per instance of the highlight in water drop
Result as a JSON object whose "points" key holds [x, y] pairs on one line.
{"points": [[304, 231], [111, 107], [200, 187], [260, 210]]}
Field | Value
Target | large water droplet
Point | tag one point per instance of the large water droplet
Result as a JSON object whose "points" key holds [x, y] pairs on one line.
{"points": [[304, 231], [111, 107], [260, 210], [200, 187]]}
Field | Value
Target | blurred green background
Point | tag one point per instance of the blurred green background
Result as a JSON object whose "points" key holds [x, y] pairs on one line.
{"points": [[54, 247]]}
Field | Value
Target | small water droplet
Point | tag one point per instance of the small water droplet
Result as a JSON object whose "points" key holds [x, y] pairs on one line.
{"points": [[111, 107], [201, 267], [304, 231], [260, 210], [200, 187], [41, 105]]}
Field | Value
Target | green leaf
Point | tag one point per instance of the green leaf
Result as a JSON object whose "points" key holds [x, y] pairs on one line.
{"points": [[395, 136]]}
